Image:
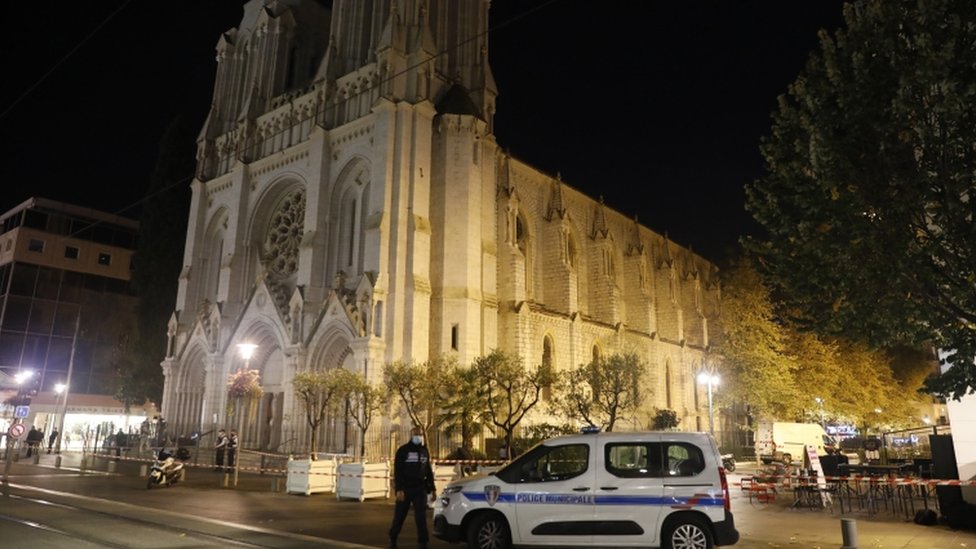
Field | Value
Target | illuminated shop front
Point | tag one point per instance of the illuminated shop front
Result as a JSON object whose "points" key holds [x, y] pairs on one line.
{"points": [[86, 417]]}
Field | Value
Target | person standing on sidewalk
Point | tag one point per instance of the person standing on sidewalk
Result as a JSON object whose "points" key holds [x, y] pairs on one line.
{"points": [[220, 447], [34, 438], [231, 448], [413, 481], [50, 439]]}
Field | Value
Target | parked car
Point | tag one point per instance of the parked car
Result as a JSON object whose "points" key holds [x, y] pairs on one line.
{"points": [[656, 489]]}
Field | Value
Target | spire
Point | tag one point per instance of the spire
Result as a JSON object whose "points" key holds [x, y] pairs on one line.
{"points": [[392, 36]]}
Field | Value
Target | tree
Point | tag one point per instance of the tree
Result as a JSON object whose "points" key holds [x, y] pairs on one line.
{"points": [[756, 366], [319, 392], [665, 420], [463, 406], [780, 369], [421, 388], [156, 265], [365, 401], [603, 391], [509, 390], [868, 197]]}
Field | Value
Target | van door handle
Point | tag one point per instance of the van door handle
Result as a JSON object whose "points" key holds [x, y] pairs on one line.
{"points": [[608, 487], [581, 489]]}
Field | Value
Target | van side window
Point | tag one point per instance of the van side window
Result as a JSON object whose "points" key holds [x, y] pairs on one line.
{"points": [[684, 460], [633, 460], [555, 463]]}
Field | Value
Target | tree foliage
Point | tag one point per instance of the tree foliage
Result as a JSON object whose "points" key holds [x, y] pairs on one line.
{"points": [[757, 369], [420, 388], [780, 370], [463, 406], [664, 420], [603, 391], [868, 198], [365, 401], [509, 390], [156, 265], [320, 391]]}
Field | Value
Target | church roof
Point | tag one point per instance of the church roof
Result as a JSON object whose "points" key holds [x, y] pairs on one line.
{"points": [[457, 100]]}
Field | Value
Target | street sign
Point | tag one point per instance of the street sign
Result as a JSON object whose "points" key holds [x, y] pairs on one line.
{"points": [[22, 412], [16, 430]]}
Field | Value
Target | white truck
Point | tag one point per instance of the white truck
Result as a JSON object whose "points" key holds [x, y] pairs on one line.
{"points": [[784, 442]]}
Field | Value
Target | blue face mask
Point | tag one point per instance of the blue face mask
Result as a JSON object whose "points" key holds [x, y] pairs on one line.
{"points": [[417, 439]]}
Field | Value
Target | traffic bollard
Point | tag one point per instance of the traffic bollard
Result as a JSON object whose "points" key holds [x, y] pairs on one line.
{"points": [[143, 470], [848, 529], [37, 458], [111, 467]]}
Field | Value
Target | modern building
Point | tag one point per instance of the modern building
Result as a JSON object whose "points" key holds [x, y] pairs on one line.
{"points": [[64, 272], [352, 208]]}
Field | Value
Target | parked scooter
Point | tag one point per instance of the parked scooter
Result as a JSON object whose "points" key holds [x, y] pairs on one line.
{"points": [[728, 462], [167, 470]]}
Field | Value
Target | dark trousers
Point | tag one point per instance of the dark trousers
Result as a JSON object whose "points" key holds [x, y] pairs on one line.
{"points": [[219, 455], [231, 454], [419, 501]]}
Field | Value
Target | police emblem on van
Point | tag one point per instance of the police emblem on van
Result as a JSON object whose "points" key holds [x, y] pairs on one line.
{"points": [[492, 491]]}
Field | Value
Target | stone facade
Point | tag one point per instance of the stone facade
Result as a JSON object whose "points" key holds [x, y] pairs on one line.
{"points": [[352, 208]]}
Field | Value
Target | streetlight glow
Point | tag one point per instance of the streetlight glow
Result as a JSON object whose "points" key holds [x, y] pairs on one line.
{"points": [[823, 422], [246, 350], [710, 380]]}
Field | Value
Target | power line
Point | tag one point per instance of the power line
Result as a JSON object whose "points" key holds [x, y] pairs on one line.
{"points": [[63, 59]]}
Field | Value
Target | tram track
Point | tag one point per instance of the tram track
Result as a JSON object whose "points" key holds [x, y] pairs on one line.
{"points": [[113, 524]]}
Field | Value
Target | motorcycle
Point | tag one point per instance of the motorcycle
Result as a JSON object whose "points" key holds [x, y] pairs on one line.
{"points": [[168, 469], [728, 462]]}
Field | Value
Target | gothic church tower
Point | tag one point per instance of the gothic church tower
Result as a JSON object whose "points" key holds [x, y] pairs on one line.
{"points": [[351, 208]]}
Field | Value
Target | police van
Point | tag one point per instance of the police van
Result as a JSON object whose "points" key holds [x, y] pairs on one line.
{"points": [[650, 489]]}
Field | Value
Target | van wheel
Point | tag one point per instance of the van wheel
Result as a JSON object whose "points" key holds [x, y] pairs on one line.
{"points": [[489, 531], [688, 533], [787, 459]]}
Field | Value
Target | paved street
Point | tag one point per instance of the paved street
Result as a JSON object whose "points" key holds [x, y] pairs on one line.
{"points": [[202, 507]]}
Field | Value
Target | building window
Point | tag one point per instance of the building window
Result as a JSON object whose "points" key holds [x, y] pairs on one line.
{"points": [[71, 252], [454, 337], [104, 259], [35, 245]]}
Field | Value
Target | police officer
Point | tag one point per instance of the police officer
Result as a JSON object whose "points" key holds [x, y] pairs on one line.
{"points": [[231, 448], [413, 480], [220, 447]]}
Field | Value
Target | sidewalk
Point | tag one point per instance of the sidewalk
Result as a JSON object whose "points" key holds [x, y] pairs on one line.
{"points": [[254, 501]]}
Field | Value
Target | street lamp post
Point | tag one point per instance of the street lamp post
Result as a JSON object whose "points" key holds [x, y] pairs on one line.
{"points": [[58, 415], [246, 350], [20, 378], [820, 402], [710, 380]]}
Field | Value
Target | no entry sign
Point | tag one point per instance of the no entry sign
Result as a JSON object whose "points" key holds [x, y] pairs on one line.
{"points": [[16, 430]]}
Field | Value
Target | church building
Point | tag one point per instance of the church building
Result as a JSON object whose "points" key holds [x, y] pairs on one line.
{"points": [[352, 208]]}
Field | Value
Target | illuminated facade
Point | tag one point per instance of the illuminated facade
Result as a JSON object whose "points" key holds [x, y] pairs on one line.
{"points": [[352, 208]]}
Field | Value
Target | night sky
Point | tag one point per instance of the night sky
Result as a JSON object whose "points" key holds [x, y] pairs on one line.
{"points": [[656, 106]]}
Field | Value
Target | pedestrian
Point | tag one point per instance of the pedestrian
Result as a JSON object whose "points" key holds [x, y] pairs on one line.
{"points": [[413, 481], [33, 438], [144, 433], [161, 432], [231, 449], [120, 440], [220, 447], [50, 439]]}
